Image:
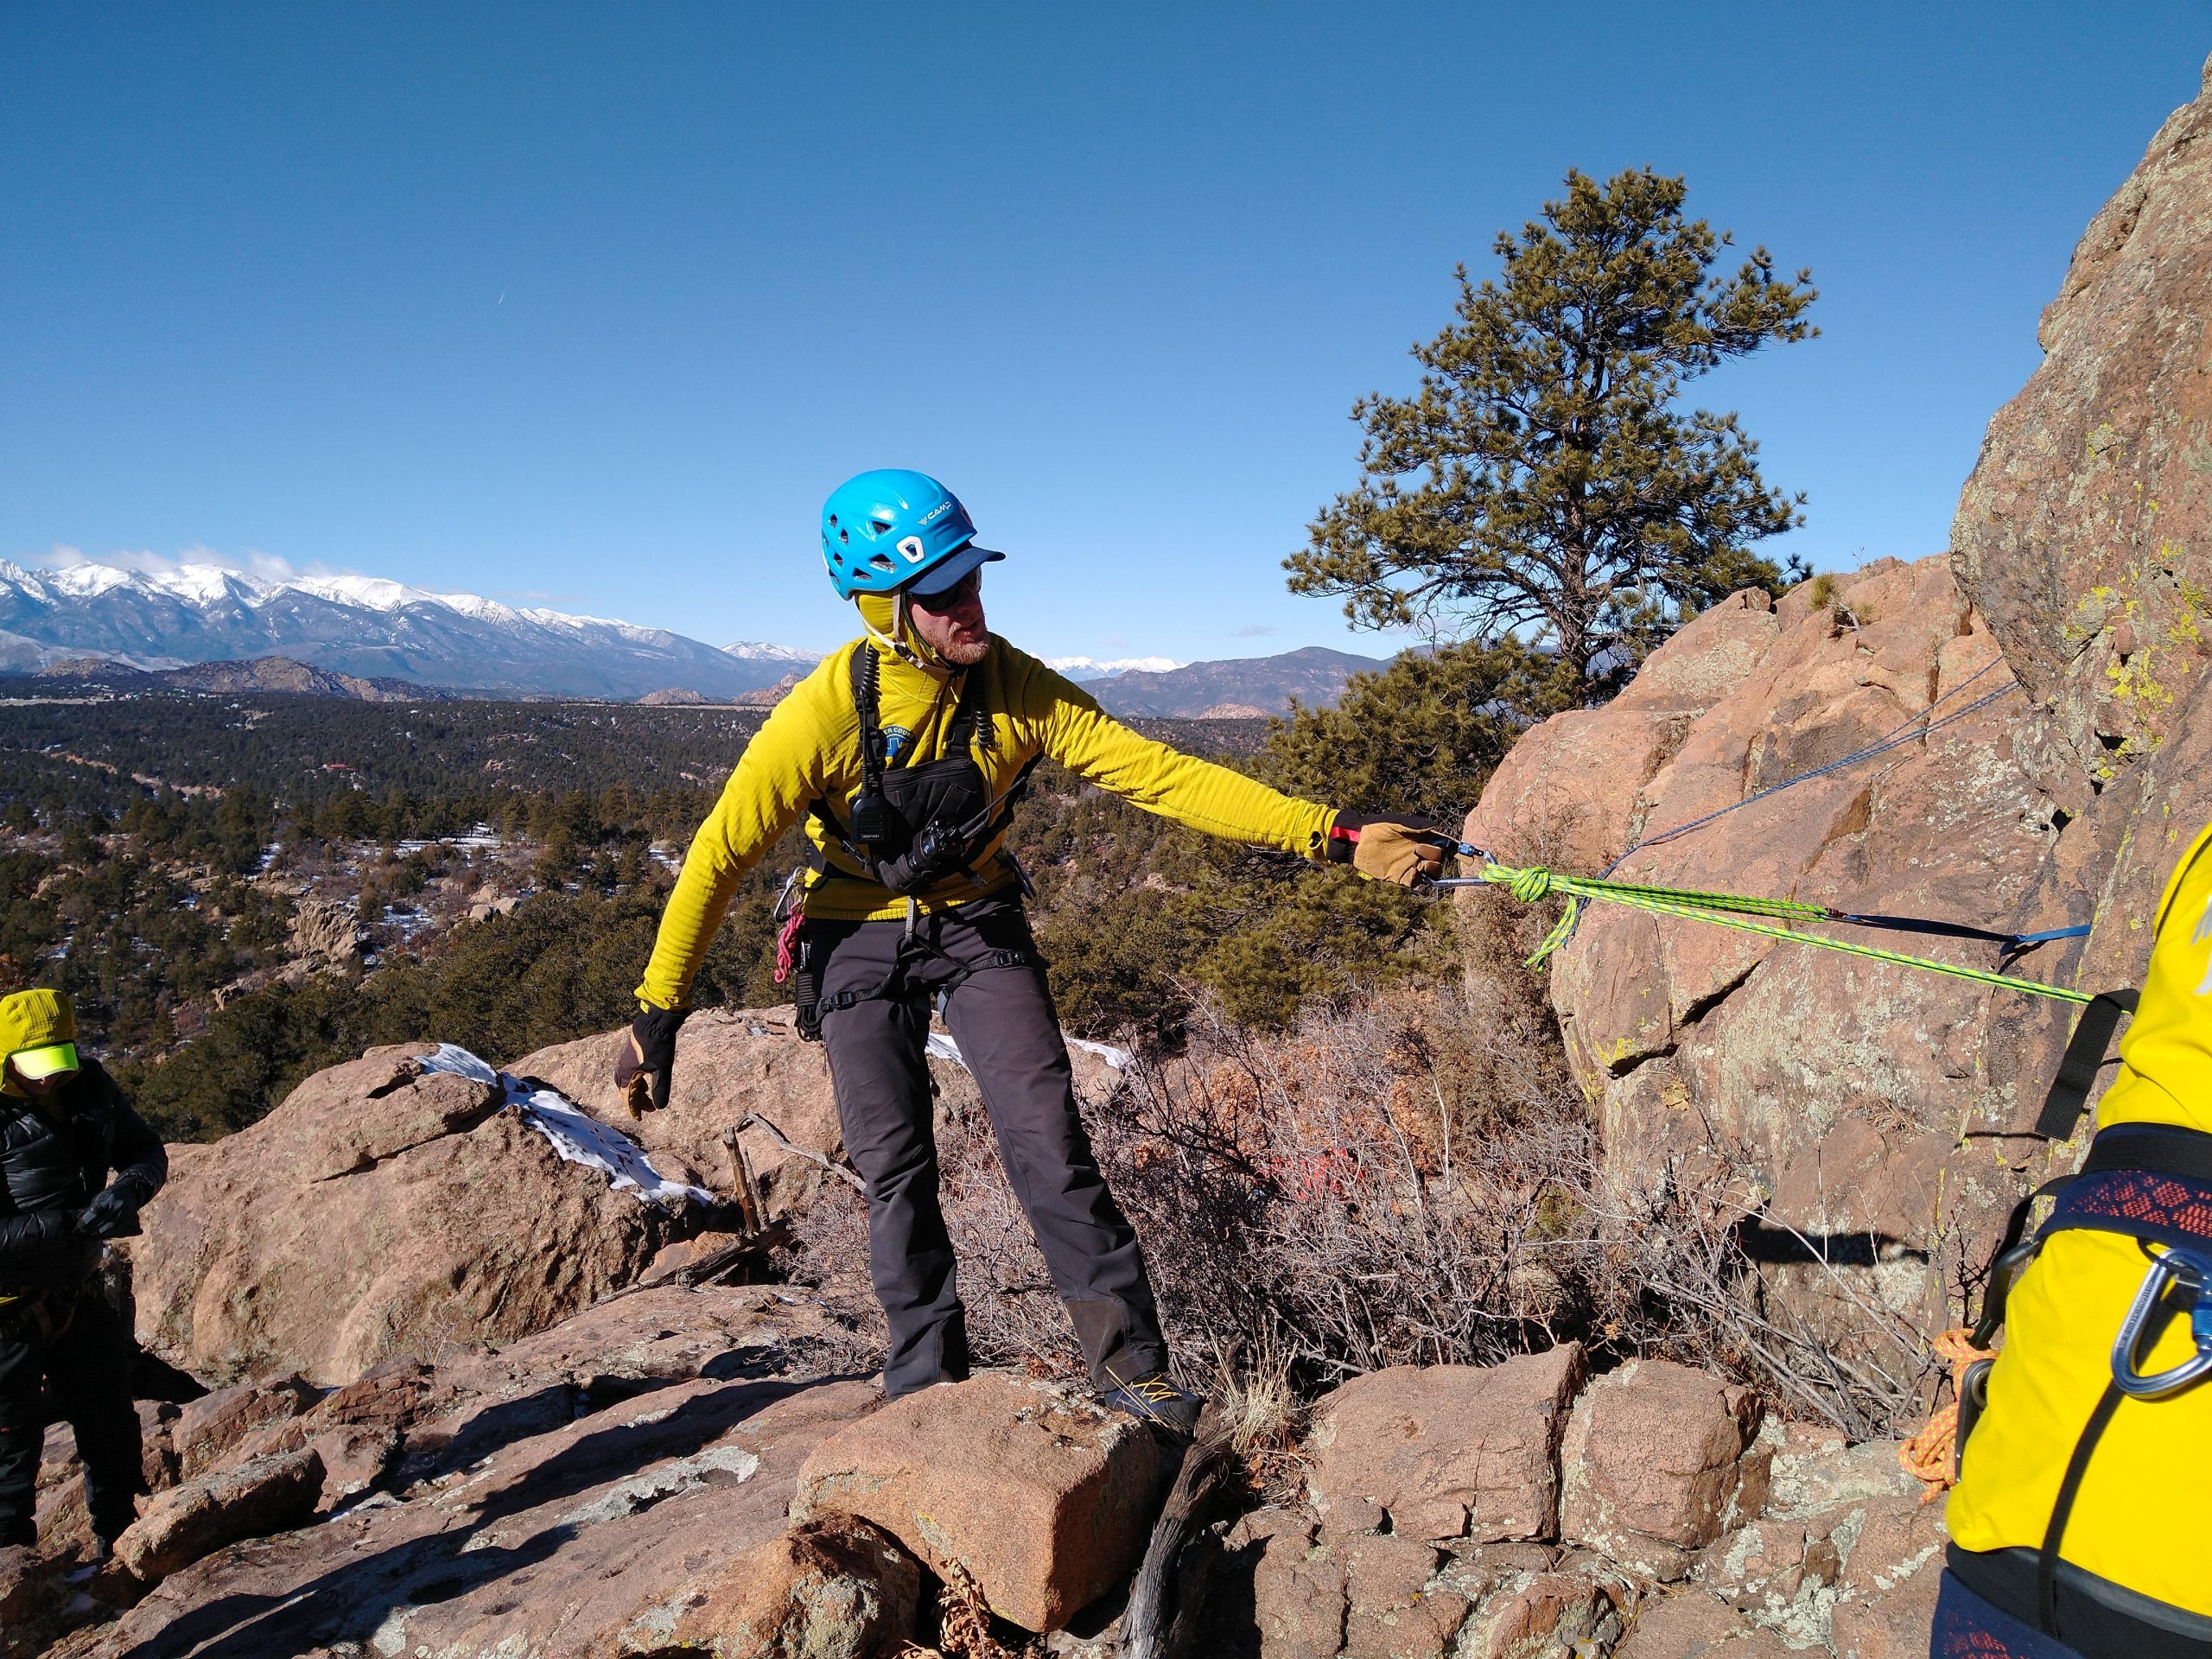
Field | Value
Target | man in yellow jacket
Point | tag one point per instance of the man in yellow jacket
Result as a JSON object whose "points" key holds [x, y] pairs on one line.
{"points": [[2081, 1524], [907, 750]]}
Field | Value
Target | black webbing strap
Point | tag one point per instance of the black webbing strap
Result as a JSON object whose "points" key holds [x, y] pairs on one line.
{"points": [[2160, 1148], [2061, 1511], [864, 671], [2077, 1071], [1923, 924]]}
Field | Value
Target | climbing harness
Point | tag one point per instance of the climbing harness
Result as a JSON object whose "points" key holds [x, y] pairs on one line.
{"points": [[2076, 1516], [1743, 913], [908, 829]]}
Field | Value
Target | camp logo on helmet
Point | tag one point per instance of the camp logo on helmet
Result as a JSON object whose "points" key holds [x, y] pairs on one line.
{"points": [[913, 547], [937, 513]]}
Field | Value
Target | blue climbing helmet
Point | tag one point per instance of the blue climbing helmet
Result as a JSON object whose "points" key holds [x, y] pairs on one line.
{"points": [[891, 530]]}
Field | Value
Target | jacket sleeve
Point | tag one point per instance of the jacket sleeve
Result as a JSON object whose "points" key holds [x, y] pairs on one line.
{"points": [[783, 770], [40, 1249], [142, 1163], [1090, 742]]}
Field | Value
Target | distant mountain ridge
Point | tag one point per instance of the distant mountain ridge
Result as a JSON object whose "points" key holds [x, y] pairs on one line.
{"points": [[1233, 688], [364, 627]]}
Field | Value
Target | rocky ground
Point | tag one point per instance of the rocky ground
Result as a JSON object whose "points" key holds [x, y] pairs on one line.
{"points": [[670, 1472], [466, 1405]]}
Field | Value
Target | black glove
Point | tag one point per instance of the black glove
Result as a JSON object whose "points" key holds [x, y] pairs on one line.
{"points": [[114, 1214], [1403, 850], [648, 1052]]}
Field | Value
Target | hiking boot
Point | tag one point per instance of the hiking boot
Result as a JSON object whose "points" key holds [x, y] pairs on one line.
{"points": [[90, 1560], [1156, 1400]]}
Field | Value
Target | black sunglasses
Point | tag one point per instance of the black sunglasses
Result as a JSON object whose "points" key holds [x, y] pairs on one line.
{"points": [[953, 597]]}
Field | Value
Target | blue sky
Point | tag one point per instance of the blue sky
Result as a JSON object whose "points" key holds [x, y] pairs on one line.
{"points": [[589, 305]]}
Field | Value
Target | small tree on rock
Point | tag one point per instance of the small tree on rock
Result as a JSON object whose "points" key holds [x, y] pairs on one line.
{"points": [[1542, 483]]}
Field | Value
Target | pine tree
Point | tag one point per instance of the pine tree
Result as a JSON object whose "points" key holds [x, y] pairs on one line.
{"points": [[1542, 484]]}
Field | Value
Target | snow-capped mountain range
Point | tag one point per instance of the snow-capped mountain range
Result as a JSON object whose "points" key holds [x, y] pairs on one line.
{"points": [[1090, 668], [363, 626]]}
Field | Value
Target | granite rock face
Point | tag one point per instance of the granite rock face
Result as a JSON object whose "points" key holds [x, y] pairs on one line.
{"points": [[2085, 536], [1827, 1093], [2085, 532], [578, 1491]]}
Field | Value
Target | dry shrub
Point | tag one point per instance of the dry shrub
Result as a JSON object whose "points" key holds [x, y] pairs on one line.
{"points": [[1409, 1179], [1388, 1184], [1668, 1254]]}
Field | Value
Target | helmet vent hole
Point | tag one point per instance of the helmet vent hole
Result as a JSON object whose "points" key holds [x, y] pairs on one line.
{"points": [[845, 537], [833, 521], [879, 562]]}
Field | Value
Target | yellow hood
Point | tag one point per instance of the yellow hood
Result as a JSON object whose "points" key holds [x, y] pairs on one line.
{"points": [[36, 1020]]}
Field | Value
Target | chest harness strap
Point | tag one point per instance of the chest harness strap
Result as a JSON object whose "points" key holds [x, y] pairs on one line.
{"points": [[908, 829]]}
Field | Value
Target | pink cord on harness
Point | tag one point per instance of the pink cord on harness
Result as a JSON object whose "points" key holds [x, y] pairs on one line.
{"points": [[785, 941]]}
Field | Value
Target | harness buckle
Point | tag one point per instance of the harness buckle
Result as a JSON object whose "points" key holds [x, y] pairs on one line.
{"points": [[2191, 1271]]}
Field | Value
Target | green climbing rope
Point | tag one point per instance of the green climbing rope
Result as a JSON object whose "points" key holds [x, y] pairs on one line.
{"points": [[1737, 910]]}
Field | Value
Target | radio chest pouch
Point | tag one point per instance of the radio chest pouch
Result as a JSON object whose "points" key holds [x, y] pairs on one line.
{"points": [[911, 826]]}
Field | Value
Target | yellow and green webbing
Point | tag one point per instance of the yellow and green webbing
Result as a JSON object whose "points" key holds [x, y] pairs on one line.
{"points": [[1768, 918]]}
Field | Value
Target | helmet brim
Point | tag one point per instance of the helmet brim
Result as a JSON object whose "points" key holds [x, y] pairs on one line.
{"points": [[953, 571]]}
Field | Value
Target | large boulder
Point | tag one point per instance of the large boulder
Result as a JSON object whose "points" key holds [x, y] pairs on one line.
{"points": [[1828, 1093], [377, 1212], [1044, 1499], [260, 1497], [1449, 1451], [730, 1063]]}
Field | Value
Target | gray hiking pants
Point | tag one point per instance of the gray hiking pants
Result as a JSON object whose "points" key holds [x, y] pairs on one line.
{"points": [[876, 990]]}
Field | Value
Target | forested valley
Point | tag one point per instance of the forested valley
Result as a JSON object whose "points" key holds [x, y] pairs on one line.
{"points": [[238, 891]]}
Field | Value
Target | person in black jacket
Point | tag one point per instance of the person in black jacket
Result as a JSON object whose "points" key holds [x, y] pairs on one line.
{"points": [[63, 1126]]}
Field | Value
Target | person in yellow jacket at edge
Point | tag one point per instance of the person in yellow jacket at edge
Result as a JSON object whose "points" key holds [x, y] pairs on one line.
{"points": [[907, 749], [2125, 1571]]}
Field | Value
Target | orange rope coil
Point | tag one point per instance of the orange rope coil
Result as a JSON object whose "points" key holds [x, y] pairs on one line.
{"points": [[1931, 1456]]}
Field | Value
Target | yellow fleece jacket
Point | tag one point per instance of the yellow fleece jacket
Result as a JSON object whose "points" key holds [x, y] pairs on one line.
{"points": [[2136, 1519], [809, 750]]}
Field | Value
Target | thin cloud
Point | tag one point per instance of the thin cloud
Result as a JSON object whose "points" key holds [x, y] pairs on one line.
{"points": [[1254, 631], [265, 566]]}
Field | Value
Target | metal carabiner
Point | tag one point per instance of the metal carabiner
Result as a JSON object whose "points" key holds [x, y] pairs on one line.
{"points": [[2193, 1273]]}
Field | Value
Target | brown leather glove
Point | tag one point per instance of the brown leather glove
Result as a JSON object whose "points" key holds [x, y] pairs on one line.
{"points": [[1401, 850], [648, 1062]]}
